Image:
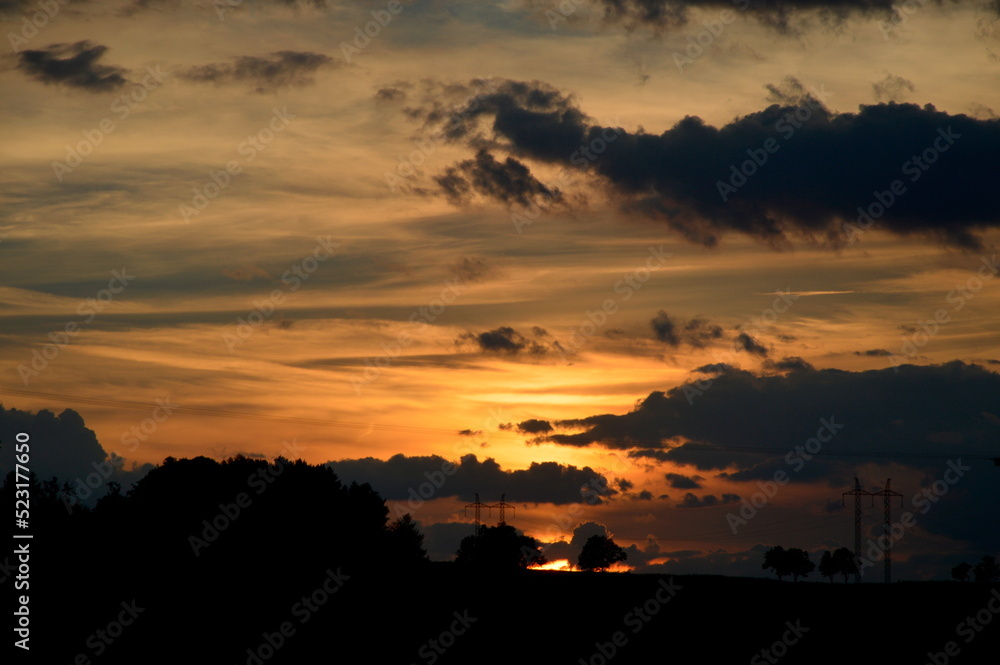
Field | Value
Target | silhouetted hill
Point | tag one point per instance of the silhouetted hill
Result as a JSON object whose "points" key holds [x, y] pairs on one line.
{"points": [[195, 565]]}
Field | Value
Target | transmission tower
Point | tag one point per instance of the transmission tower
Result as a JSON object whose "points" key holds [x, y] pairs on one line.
{"points": [[887, 494], [478, 505], [857, 493], [502, 506]]}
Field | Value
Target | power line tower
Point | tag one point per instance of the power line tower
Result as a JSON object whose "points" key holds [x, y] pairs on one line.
{"points": [[502, 506], [887, 494], [478, 505], [857, 493]]}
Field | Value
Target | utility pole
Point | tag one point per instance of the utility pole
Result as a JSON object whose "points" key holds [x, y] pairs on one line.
{"points": [[857, 493], [887, 494]]}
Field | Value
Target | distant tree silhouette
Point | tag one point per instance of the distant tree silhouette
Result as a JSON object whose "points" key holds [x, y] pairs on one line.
{"points": [[794, 562], [827, 566], [961, 572], [499, 549], [799, 564], [406, 540], [777, 560], [986, 570], [600, 553], [843, 561]]}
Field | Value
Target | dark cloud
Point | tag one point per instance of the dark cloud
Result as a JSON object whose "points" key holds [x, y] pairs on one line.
{"points": [[892, 88], [691, 176], [707, 501], [73, 65], [699, 332], [745, 424], [265, 74], [696, 332], [623, 484], [682, 482], [874, 352], [63, 447], [509, 182], [442, 539], [581, 534], [745, 342], [390, 95], [790, 364], [717, 368], [221, 9], [414, 479], [781, 15], [470, 432], [664, 329], [534, 426], [507, 341], [474, 269]]}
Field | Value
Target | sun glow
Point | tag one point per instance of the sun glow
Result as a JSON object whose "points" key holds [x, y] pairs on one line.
{"points": [[559, 564]]}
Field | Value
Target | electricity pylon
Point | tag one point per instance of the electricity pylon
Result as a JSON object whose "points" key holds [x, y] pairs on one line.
{"points": [[502, 506], [887, 494], [857, 493], [478, 505]]}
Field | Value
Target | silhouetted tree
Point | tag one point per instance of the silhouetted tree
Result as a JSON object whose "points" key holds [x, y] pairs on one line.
{"points": [[843, 561], [777, 560], [794, 562], [961, 572], [600, 553], [827, 566], [986, 570], [799, 564], [499, 549], [405, 540]]}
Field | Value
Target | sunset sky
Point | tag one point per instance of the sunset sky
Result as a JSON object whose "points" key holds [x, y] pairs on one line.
{"points": [[628, 254]]}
